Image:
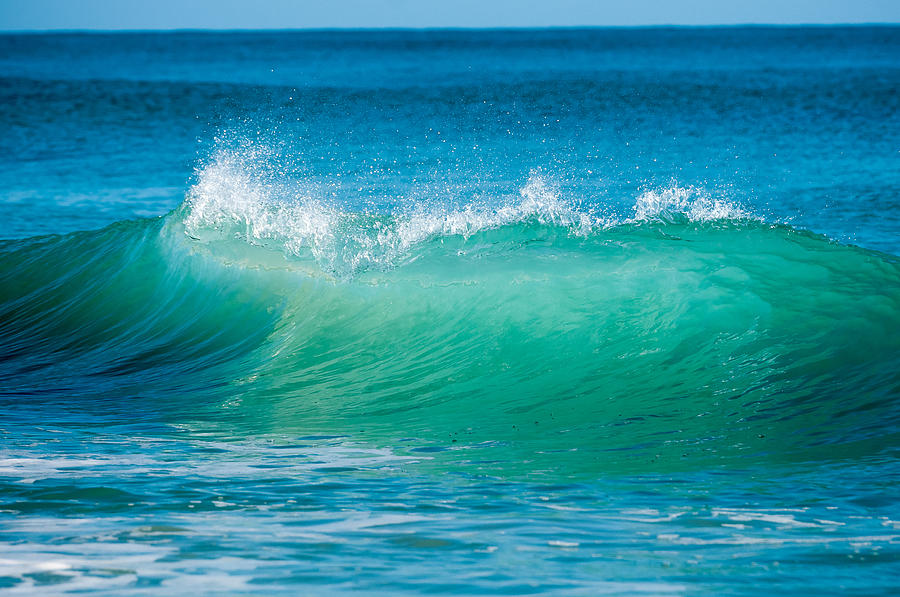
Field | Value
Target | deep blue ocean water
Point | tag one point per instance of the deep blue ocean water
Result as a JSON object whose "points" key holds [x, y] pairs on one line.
{"points": [[569, 312]]}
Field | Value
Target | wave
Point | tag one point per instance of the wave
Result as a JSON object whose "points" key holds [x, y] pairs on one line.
{"points": [[687, 331]]}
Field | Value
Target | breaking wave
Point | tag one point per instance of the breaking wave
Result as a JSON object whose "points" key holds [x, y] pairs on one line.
{"points": [[686, 331]]}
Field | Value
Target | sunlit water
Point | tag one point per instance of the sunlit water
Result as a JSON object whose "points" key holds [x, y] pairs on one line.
{"points": [[566, 312]]}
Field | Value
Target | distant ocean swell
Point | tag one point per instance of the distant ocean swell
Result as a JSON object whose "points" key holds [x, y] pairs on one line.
{"points": [[686, 331]]}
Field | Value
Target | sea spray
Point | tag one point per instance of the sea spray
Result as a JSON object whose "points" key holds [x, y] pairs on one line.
{"points": [[241, 196]]}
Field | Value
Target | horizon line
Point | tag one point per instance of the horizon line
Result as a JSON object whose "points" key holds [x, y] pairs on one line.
{"points": [[77, 30]]}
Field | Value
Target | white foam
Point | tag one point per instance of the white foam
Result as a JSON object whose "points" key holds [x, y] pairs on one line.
{"points": [[239, 196], [690, 202], [537, 201], [234, 196]]}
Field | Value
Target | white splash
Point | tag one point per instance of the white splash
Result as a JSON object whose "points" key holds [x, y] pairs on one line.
{"points": [[237, 196], [689, 202], [234, 196], [537, 202]]}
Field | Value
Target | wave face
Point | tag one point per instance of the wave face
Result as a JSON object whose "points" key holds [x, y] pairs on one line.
{"points": [[684, 332]]}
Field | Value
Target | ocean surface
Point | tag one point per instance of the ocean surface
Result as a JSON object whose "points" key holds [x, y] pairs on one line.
{"points": [[565, 312]]}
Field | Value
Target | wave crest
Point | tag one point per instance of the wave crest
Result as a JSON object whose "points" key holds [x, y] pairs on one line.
{"points": [[237, 196]]}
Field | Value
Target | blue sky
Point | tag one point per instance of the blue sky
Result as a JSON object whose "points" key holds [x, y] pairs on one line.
{"points": [[268, 14]]}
